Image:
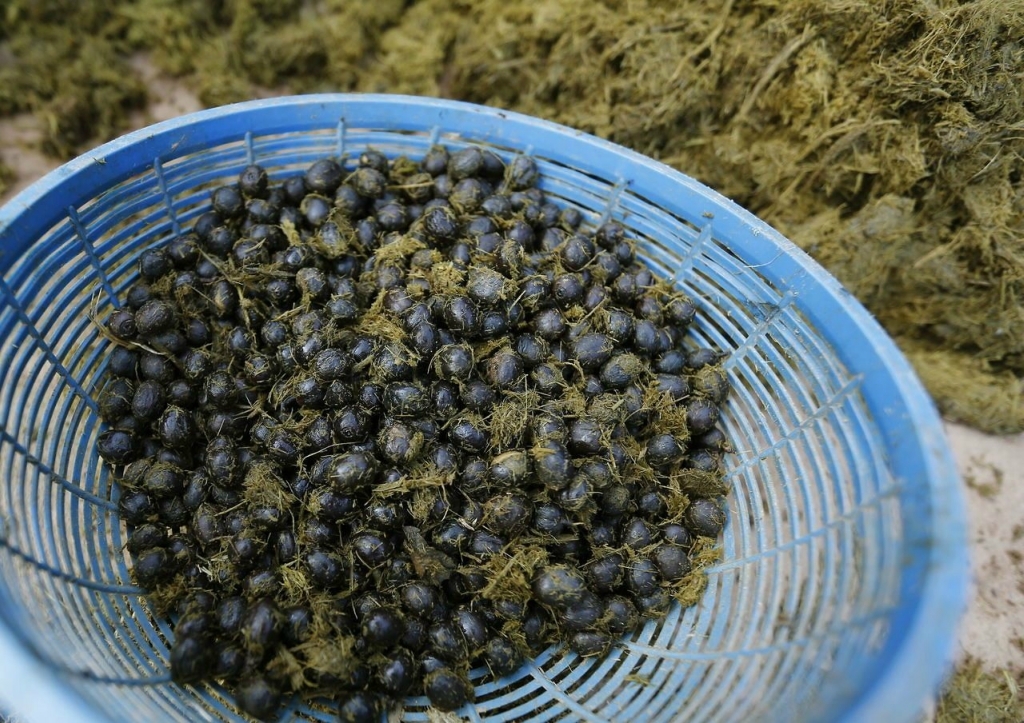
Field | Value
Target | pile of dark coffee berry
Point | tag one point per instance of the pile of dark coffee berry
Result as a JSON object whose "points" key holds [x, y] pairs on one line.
{"points": [[389, 420]]}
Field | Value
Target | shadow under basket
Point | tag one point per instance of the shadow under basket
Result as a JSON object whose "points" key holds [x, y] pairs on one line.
{"points": [[844, 561]]}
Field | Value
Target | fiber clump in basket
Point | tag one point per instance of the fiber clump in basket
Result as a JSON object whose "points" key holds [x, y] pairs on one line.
{"points": [[375, 426]]}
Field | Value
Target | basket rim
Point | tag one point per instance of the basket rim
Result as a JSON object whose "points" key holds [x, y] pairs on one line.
{"points": [[915, 668]]}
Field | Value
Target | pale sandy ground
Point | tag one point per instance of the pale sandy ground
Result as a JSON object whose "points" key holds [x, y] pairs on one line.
{"points": [[992, 467], [993, 473]]}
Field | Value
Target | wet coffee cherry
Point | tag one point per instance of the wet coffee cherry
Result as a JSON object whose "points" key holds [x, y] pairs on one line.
{"points": [[532, 350], [145, 537], [567, 290], [435, 161], [261, 625], [392, 363], [507, 513], [501, 657], [676, 534], [148, 400], [672, 561], [371, 548], [576, 496], [704, 517], [606, 573], [559, 587], [405, 400], [258, 696], [176, 428], [440, 223], [699, 358], [503, 369], [156, 368], [461, 316], [382, 628], [122, 324], [151, 566], [550, 519], [228, 202], [654, 605], [680, 311], [163, 480], [253, 181], [324, 176], [325, 569], [467, 435], [154, 263], [585, 437], [447, 641], [419, 598], [549, 325], [704, 460], [473, 628], [484, 544], [116, 446], [446, 689], [153, 317], [642, 577], [399, 443], [352, 471], [713, 439], [637, 534], [454, 362], [620, 615], [620, 371], [477, 396], [552, 464], [671, 362], [136, 507], [577, 252], [664, 449], [369, 182], [465, 163], [592, 350], [651, 505], [424, 339], [521, 173], [453, 537], [583, 614], [191, 659], [701, 416], [358, 707], [124, 362], [590, 643], [536, 624]]}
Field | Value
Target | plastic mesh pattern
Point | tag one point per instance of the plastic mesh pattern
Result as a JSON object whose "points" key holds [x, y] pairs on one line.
{"points": [[843, 569]]}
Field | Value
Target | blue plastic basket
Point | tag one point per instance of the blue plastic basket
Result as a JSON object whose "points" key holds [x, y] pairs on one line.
{"points": [[844, 567]]}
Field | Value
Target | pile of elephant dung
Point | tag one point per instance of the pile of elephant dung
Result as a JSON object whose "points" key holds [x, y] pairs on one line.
{"points": [[882, 137]]}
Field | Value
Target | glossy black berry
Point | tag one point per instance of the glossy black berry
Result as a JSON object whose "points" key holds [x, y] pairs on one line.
{"points": [[446, 689], [191, 659], [642, 577], [258, 696], [371, 548], [116, 446], [352, 471], [672, 561], [521, 173], [704, 517], [151, 566], [559, 587], [701, 416], [382, 628], [358, 707]]}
